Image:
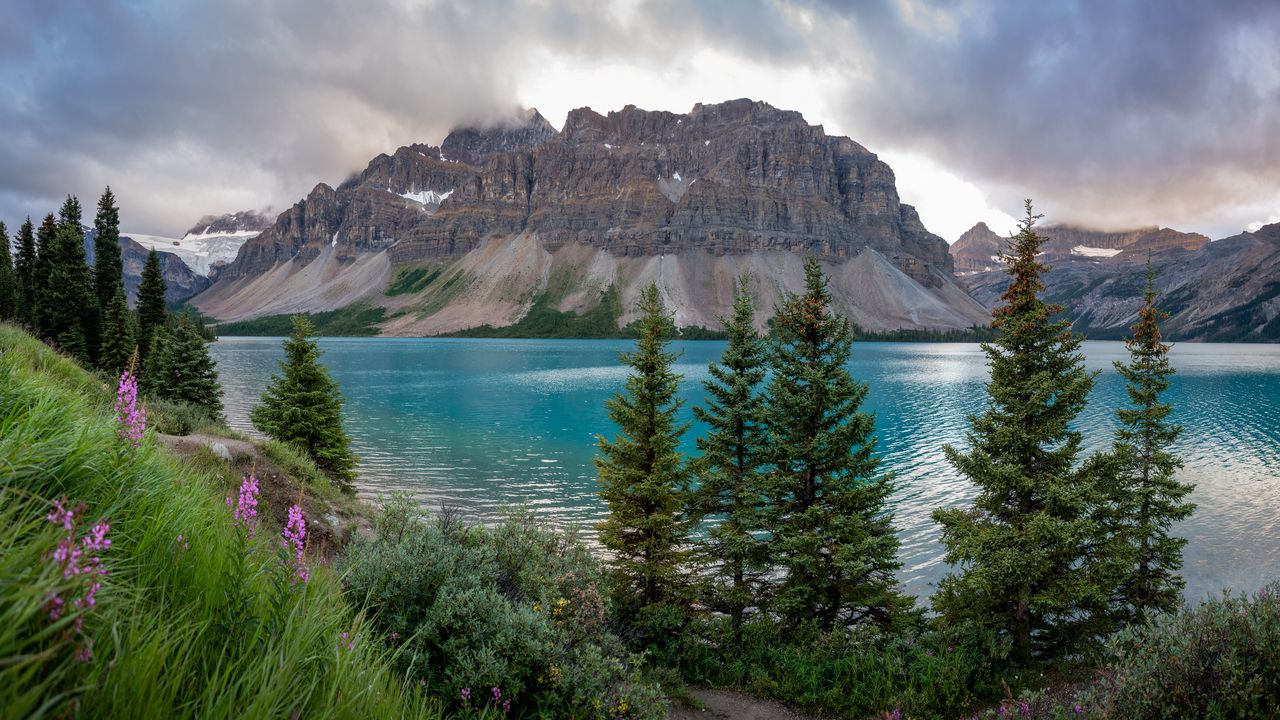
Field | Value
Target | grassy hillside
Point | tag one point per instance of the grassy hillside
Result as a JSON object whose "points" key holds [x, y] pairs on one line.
{"points": [[190, 619]]}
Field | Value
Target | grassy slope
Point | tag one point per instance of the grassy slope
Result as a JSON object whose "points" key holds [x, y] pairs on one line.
{"points": [[166, 639]]}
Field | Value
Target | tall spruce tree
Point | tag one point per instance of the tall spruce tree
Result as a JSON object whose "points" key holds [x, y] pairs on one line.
{"points": [[151, 312], [118, 343], [25, 269], [46, 249], [1148, 498], [643, 478], [108, 268], [302, 407], [1025, 548], [179, 368], [832, 534], [734, 555], [69, 316], [8, 280]]}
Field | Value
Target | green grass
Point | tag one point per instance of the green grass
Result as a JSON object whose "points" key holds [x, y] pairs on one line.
{"points": [[544, 321], [412, 279], [211, 631], [351, 321]]}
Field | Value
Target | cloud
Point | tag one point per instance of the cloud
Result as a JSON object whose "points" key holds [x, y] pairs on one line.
{"points": [[1107, 113]]}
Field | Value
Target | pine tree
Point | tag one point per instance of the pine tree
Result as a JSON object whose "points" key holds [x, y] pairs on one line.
{"points": [[118, 343], [69, 317], [1025, 549], [303, 407], [1149, 499], [8, 280], [832, 534], [643, 478], [108, 270], [46, 249], [730, 469], [151, 312], [179, 368], [25, 270]]}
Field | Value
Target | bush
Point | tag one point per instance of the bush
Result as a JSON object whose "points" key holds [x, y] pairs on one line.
{"points": [[179, 418], [1220, 659], [516, 607], [851, 673]]}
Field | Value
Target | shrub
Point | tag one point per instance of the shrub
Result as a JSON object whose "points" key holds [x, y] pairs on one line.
{"points": [[1220, 659], [516, 607], [178, 418]]}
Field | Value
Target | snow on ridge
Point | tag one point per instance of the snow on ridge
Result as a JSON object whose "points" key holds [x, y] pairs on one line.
{"points": [[205, 235], [1087, 251], [426, 197]]}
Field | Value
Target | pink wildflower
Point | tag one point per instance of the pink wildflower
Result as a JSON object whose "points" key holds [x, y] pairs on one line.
{"points": [[246, 507], [78, 560], [132, 419], [295, 537]]}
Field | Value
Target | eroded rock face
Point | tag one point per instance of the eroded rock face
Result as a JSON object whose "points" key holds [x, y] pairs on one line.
{"points": [[977, 250], [1226, 290], [735, 177]]}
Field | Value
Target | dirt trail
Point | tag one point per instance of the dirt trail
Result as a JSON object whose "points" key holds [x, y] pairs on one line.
{"points": [[731, 705]]}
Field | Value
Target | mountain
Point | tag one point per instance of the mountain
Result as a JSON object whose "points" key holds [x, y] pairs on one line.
{"points": [[1225, 290], [211, 242], [977, 250], [503, 218], [181, 282]]}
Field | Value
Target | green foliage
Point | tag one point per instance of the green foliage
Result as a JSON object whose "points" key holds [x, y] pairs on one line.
{"points": [[179, 369], [644, 480], [1146, 498], [544, 321], [517, 607], [118, 342], [410, 280], [858, 673], [9, 286], [1220, 659], [68, 310], [831, 533], [1024, 547], [158, 648], [977, 333], [108, 268], [303, 407], [350, 321], [733, 556], [151, 310], [24, 266], [177, 417]]}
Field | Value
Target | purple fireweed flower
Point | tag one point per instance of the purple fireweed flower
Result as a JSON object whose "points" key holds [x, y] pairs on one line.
{"points": [[506, 707], [295, 537], [1024, 709], [497, 694], [246, 506], [78, 560], [350, 642], [466, 697], [132, 419], [1078, 710]]}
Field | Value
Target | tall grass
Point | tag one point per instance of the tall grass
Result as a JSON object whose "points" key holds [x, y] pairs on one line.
{"points": [[197, 627]]}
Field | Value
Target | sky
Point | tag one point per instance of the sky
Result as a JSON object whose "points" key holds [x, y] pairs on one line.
{"points": [[1109, 114]]}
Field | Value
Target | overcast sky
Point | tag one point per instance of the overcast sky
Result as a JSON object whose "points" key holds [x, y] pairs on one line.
{"points": [[1108, 113]]}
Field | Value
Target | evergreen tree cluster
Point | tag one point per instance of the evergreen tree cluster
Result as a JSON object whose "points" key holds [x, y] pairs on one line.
{"points": [[786, 478], [47, 284], [783, 514]]}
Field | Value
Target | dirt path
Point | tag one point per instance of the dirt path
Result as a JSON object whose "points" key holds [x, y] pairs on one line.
{"points": [[731, 705]]}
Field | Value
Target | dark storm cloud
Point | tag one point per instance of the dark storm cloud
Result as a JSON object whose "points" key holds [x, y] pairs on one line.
{"points": [[1108, 112], [1111, 112]]}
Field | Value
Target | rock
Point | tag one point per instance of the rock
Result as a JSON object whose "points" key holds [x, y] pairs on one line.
{"points": [[734, 179], [977, 250], [1225, 290], [220, 450]]}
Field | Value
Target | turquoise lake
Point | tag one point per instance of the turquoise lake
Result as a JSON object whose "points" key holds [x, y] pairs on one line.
{"points": [[487, 424]]}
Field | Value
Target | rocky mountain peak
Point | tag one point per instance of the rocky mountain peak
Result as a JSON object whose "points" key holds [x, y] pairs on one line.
{"points": [[473, 145], [977, 250], [245, 222]]}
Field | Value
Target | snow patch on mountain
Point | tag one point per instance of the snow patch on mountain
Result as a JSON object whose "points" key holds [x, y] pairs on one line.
{"points": [[425, 197], [200, 251], [1095, 252]]}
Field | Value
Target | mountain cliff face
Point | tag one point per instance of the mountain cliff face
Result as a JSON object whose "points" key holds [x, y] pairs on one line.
{"points": [[1226, 290], [515, 214], [977, 250]]}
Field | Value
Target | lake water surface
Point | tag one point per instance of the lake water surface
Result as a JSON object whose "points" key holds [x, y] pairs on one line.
{"points": [[487, 424]]}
